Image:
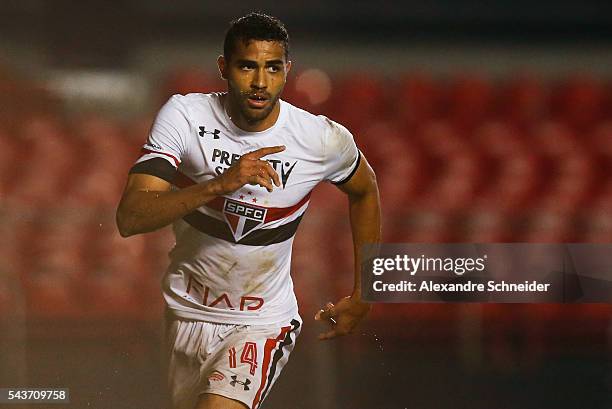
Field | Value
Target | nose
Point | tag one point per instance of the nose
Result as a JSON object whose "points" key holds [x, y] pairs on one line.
{"points": [[260, 80]]}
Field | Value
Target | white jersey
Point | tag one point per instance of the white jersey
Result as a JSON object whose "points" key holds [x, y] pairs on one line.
{"points": [[232, 256]]}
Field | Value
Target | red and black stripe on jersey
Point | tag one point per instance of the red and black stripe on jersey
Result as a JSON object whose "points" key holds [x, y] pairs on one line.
{"points": [[260, 237], [218, 228]]}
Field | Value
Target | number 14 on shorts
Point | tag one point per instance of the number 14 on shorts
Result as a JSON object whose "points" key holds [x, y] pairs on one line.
{"points": [[248, 356]]}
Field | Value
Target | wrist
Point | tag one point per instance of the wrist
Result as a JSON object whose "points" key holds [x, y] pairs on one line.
{"points": [[356, 295], [359, 308], [356, 299], [215, 187]]}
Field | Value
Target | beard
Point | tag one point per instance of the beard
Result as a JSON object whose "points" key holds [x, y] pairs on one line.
{"points": [[240, 99], [253, 115]]}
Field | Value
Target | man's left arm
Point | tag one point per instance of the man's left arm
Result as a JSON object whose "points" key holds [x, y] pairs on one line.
{"points": [[364, 213]]}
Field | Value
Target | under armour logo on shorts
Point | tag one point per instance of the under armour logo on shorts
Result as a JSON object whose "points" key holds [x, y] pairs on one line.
{"points": [[235, 381]]}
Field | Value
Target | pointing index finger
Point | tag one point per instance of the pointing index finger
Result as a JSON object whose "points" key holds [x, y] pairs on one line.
{"points": [[268, 150]]}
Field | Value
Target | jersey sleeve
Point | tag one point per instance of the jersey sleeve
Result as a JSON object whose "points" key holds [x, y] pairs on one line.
{"points": [[167, 139], [341, 154]]}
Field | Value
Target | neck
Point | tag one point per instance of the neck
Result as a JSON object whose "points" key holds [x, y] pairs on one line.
{"points": [[243, 123]]}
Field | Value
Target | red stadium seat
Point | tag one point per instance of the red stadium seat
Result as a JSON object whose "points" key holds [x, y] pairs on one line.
{"points": [[498, 139], [335, 247], [357, 100], [12, 235], [597, 228], [108, 247], [549, 226], [600, 141], [514, 184], [487, 226], [417, 100], [309, 89], [454, 169], [456, 185], [369, 141], [103, 143], [580, 101], [51, 284], [571, 183], [524, 100], [185, 80], [509, 172], [327, 197], [154, 263], [422, 226], [10, 157], [429, 322], [111, 290], [118, 272], [307, 271], [136, 132], [401, 182], [441, 139], [602, 201], [398, 162], [46, 151], [99, 187], [470, 99], [105, 158], [13, 301], [553, 139]]}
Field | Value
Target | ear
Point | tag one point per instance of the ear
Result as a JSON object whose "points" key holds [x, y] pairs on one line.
{"points": [[222, 66], [288, 67]]}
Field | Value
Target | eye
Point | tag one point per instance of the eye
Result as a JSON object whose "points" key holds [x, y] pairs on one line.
{"points": [[273, 68], [245, 67]]}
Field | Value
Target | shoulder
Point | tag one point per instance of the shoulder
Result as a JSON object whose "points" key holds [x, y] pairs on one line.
{"points": [[300, 118], [311, 124], [318, 132], [194, 102]]}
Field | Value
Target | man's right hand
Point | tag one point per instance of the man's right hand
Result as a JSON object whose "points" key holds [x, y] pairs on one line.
{"points": [[148, 202], [250, 169]]}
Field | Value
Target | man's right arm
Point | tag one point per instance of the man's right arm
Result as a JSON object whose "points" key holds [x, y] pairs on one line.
{"points": [[148, 203]]}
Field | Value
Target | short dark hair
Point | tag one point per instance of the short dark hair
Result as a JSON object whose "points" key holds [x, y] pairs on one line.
{"points": [[255, 26]]}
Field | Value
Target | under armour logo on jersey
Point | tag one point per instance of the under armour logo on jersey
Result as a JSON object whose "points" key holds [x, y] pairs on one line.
{"points": [[235, 381], [214, 133]]}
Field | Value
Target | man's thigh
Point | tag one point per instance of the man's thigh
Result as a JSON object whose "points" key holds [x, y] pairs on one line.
{"points": [[213, 401]]}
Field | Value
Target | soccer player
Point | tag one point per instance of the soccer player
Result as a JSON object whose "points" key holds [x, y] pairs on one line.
{"points": [[233, 172]]}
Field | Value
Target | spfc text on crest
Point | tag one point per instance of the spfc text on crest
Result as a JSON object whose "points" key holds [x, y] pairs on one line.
{"points": [[243, 218]]}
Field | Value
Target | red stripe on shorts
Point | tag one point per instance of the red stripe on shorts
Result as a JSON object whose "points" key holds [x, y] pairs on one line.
{"points": [[270, 345]]}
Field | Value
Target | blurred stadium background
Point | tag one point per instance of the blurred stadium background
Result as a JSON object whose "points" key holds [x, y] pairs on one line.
{"points": [[484, 123]]}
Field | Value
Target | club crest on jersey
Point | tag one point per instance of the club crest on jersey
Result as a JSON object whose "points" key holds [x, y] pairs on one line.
{"points": [[243, 218]]}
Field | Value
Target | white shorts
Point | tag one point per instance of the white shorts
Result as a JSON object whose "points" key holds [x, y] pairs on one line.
{"points": [[241, 362]]}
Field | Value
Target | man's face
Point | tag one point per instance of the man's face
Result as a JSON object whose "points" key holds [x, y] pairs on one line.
{"points": [[256, 74]]}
